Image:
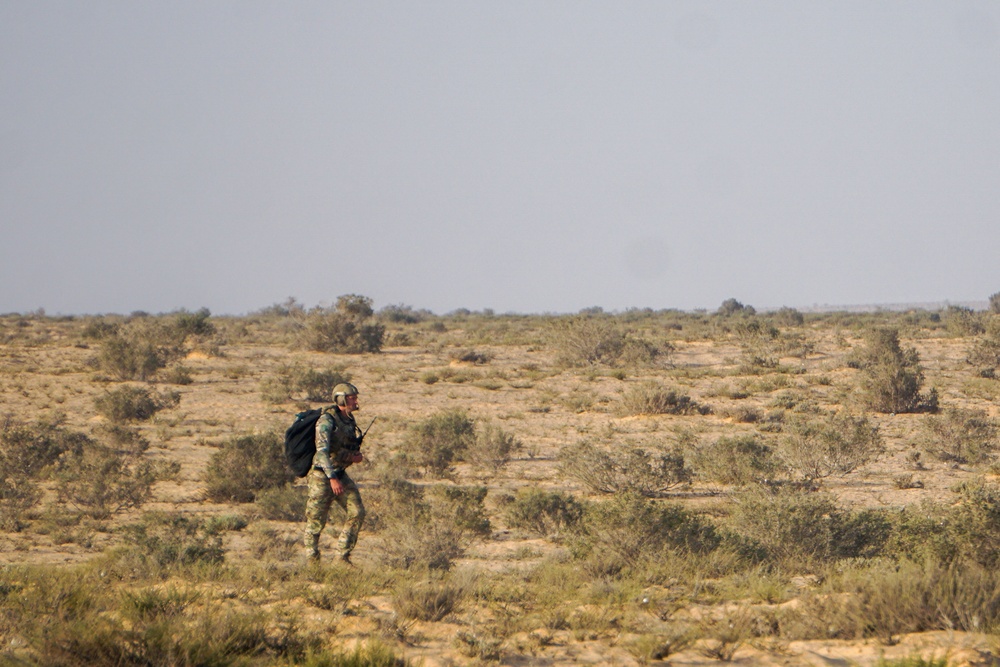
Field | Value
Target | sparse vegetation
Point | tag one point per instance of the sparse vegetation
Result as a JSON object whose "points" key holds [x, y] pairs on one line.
{"points": [[529, 499]]}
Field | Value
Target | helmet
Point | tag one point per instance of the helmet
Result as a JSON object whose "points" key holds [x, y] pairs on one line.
{"points": [[343, 389]]}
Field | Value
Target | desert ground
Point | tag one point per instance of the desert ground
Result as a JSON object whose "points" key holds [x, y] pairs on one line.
{"points": [[748, 526]]}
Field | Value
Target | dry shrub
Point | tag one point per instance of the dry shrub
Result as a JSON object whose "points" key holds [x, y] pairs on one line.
{"points": [[26, 452], [134, 403], [960, 435], [651, 398], [100, 481], [347, 329], [738, 460], [543, 513], [798, 527], [590, 339], [628, 529], [624, 469], [137, 349], [426, 528], [245, 466], [429, 601], [837, 445], [282, 503], [492, 448], [436, 443]]}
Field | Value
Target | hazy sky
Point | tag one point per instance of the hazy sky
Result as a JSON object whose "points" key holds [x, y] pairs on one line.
{"points": [[521, 156]]}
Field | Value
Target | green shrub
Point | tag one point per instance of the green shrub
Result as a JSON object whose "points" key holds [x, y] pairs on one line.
{"points": [[348, 329], [624, 468], [162, 542], [837, 445], [193, 324], [26, 452], [651, 398], [962, 321], [245, 466], [741, 459], [543, 513], [627, 529], [137, 350], [798, 527], [130, 403], [731, 307], [961, 435], [985, 351], [436, 443], [891, 376], [318, 385]]}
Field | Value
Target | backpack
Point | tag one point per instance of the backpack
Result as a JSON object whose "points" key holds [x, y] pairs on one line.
{"points": [[300, 442]]}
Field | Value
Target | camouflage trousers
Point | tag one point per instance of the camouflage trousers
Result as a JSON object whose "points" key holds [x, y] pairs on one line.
{"points": [[318, 512]]}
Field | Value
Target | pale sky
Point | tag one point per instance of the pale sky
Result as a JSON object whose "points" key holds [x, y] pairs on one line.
{"points": [[522, 156]]}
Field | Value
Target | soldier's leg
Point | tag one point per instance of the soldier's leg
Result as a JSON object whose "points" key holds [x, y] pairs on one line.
{"points": [[317, 510], [350, 501]]}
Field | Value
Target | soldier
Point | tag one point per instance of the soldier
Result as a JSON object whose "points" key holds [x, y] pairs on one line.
{"points": [[338, 445]]}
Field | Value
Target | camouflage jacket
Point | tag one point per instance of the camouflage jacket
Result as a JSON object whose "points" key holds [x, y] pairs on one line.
{"points": [[337, 439]]}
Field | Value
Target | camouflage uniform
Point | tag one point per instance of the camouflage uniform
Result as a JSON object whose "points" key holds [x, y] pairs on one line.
{"points": [[337, 439]]}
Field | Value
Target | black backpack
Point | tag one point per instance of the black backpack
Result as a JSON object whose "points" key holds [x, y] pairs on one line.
{"points": [[300, 442]]}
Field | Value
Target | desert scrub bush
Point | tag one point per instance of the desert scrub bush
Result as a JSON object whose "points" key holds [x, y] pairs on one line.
{"points": [[652, 398], [137, 349], [731, 307], [193, 324], [424, 532], [27, 452], [960, 435], [133, 403], [245, 466], [961, 321], [759, 343], [972, 525], [298, 381], [625, 468], [429, 601], [797, 528], [585, 340], [160, 544], [542, 513], [462, 506], [738, 460], [349, 328], [891, 375], [100, 481], [437, 442], [282, 503], [984, 353], [492, 448], [836, 445], [627, 529], [884, 599]]}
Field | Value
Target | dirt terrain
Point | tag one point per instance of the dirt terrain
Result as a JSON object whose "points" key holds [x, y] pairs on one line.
{"points": [[47, 372]]}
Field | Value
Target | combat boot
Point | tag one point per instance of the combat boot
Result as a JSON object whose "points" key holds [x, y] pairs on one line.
{"points": [[312, 547]]}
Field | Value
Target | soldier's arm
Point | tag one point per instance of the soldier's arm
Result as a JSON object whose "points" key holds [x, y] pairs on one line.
{"points": [[326, 448]]}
